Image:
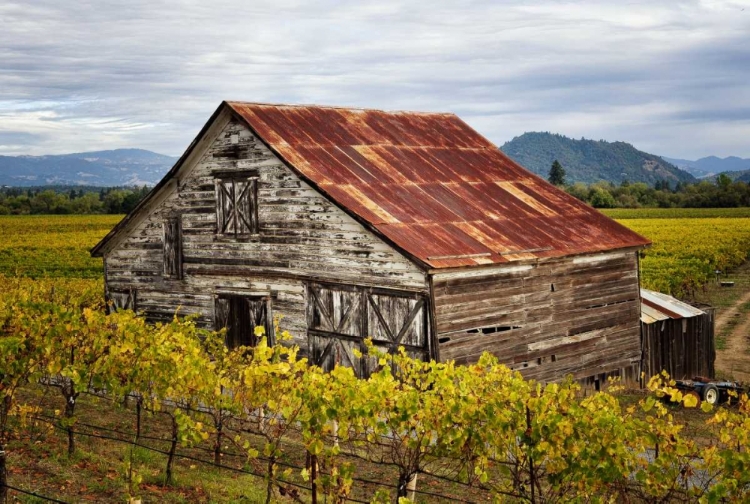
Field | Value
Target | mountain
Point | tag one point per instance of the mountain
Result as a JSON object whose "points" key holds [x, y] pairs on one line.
{"points": [[101, 168], [591, 160], [711, 165]]}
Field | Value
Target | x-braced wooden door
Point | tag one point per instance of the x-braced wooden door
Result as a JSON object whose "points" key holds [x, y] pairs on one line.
{"points": [[340, 317]]}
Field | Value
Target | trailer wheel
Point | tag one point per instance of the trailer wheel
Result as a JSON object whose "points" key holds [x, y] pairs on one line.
{"points": [[711, 394], [697, 397]]}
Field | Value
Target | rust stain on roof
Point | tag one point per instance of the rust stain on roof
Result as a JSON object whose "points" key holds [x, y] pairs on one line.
{"points": [[536, 204], [432, 185]]}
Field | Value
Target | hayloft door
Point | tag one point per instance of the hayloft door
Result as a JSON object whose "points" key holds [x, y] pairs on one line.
{"points": [[241, 315]]}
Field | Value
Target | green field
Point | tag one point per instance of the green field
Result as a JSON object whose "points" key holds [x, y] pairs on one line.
{"points": [[676, 213], [52, 245], [687, 251], [688, 244]]}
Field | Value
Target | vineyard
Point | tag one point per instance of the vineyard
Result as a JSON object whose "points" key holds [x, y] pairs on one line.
{"points": [[689, 245], [306, 434], [168, 413], [55, 246]]}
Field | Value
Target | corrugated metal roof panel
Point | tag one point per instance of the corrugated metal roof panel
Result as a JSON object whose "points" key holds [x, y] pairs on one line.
{"points": [[650, 315], [432, 185], [656, 306]]}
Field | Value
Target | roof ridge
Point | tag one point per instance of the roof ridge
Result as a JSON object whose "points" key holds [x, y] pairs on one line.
{"points": [[340, 107]]}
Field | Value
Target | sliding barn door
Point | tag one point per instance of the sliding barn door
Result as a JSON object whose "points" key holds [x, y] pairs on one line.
{"points": [[335, 327], [394, 321], [340, 317]]}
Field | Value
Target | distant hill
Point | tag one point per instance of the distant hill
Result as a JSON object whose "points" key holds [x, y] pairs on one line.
{"points": [[711, 165], [591, 160], [740, 176], [117, 167]]}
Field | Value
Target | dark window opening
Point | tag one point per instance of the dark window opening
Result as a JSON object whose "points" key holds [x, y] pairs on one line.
{"points": [[237, 206], [553, 358], [443, 340], [552, 287], [240, 315], [492, 330]]}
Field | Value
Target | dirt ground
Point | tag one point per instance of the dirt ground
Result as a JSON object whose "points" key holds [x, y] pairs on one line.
{"points": [[732, 324], [734, 359]]}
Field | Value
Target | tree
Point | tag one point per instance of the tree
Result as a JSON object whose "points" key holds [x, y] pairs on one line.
{"points": [[723, 181], [601, 198], [557, 174]]}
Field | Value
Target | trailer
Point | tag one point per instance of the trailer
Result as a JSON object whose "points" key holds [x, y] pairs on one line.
{"points": [[711, 391]]}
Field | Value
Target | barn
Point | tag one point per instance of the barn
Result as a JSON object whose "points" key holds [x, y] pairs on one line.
{"points": [[409, 228]]}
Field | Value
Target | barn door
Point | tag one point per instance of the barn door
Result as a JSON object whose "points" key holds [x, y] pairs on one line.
{"points": [[395, 320], [341, 317], [335, 327], [329, 351], [241, 315]]}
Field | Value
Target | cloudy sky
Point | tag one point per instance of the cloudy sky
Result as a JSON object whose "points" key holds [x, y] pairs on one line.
{"points": [[671, 77]]}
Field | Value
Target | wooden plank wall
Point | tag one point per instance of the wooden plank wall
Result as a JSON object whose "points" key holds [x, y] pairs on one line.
{"points": [[576, 316], [682, 347], [302, 237]]}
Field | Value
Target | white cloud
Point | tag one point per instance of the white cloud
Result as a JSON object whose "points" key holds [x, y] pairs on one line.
{"points": [[670, 77]]}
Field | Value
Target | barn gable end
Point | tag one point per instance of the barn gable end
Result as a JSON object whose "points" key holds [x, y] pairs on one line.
{"points": [[303, 238]]}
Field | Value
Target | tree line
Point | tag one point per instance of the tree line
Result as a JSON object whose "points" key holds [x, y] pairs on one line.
{"points": [[721, 193], [60, 200]]}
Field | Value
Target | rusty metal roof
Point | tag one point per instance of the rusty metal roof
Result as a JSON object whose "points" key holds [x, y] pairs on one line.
{"points": [[432, 185], [656, 306]]}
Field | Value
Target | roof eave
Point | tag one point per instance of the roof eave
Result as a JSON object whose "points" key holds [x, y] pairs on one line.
{"points": [[536, 260]]}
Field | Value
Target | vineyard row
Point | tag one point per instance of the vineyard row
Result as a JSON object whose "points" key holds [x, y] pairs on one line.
{"points": [[482, 425]]}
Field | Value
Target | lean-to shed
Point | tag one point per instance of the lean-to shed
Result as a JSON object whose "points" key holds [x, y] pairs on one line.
{"points": [[410, 228], [677, 337]]}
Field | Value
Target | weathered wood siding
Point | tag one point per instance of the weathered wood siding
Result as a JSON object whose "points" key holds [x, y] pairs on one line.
{"points": [[301, 237], [682, 347], [578, 316]]}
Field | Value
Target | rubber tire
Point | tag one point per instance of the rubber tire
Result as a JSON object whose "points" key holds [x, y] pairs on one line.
{"points": [[697, 397], [711, 394]]}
